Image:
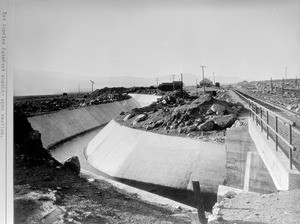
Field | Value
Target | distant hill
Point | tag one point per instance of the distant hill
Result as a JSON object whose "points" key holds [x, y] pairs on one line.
{"points": [[41, 82]]}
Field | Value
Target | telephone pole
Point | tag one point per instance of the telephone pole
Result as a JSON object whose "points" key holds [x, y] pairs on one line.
{"points": [[157, 81], [202, 66], [271, 86], [181, 85], [173, 82], [214, 78], [282, 87], [92, 86]]}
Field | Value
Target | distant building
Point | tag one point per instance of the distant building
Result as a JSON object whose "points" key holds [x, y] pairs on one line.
{"points": [[206, 82], [169, 86]]}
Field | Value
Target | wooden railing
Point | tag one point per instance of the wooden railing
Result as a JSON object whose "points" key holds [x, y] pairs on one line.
{"points": [[261, 116]]}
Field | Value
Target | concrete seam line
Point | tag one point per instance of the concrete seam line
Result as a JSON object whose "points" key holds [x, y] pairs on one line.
{"points": [[247, 172]]}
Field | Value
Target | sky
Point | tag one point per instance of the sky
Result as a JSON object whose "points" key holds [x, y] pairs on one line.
{"points": [[252, 40]]}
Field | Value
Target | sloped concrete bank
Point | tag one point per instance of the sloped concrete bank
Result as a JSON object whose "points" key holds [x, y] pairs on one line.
{"points": [[147, 157], [62, 125]]}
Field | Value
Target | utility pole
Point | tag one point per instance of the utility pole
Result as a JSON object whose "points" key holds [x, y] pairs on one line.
{"points": [[282, 86], [202, 66], [271, 86], [157, 81], [181, 85], [92, 86], [214, 78], [173, 82], [78, 89]]}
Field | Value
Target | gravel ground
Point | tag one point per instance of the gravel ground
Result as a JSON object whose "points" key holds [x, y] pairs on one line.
{"points": [[250, 208]]}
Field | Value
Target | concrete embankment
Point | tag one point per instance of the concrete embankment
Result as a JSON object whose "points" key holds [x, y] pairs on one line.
{"points": [[170, 161], [64, 124]]}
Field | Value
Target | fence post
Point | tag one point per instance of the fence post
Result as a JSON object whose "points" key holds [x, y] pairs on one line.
{"points": [[291, 150], [256, 107], [250, 108], [199, 202], [268, 125], [261, 122], [276, 130], [253, 113]]}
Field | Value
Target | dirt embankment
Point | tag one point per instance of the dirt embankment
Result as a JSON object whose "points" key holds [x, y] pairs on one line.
{"points": [[48, 192], [178, 113], [37, 105]]}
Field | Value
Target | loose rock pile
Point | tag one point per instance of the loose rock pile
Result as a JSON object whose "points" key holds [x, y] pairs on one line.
{"points": [[145, 90], [186, 116]]}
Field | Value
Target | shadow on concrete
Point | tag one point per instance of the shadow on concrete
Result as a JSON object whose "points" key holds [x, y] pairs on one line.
{"points": [[243, 222], [180, 195]]}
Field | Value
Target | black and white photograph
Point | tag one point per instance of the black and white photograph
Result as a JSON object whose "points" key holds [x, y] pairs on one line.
{"points": [[150, 111]]}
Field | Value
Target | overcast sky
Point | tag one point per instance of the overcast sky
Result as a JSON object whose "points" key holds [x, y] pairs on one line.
{"points": [[250, 39]]}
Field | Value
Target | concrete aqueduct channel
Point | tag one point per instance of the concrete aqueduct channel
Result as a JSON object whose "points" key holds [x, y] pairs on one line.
{"points": [[161, 164]]}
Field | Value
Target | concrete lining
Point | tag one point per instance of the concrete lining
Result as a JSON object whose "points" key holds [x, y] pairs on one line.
{"points": [[59, 126], [170, 161], [243, 171], [144, 99], [276, 162]]}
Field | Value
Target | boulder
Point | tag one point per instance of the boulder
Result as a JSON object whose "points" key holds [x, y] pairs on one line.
{"points": [[128, 116], [237, 123], [218, 109], [154, 124], [289, 107], [230, 194], [199, 120], [207, 126], [73, 165], [141, 117], [224, 121], [193, 128], [171, 99], [164, 102]]}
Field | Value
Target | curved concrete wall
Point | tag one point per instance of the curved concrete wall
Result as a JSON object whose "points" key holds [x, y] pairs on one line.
{"points": [[59, 126], [123, 152], [144, 99]]}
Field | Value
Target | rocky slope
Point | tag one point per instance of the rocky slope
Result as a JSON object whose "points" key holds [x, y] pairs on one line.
{"points": [[178, 113]]}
